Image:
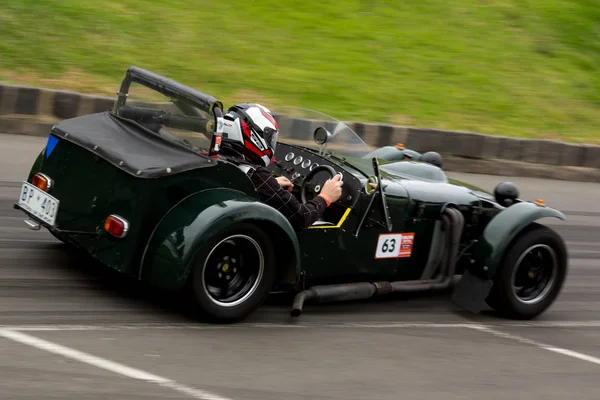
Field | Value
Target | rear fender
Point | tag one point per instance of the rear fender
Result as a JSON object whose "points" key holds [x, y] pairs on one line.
{"points": [[37, 165], [488, 253], [45, 153], [181, 233]]}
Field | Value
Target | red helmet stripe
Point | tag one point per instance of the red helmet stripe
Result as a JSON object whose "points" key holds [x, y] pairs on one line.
{"points": [[245, 128], [270, 118], [252, 147]]}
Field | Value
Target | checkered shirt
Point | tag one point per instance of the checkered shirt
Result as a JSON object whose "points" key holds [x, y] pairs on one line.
{"points": [[300, 215]]}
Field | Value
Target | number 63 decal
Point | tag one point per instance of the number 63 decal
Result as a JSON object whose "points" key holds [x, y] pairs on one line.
{"points": [[394, 245]]}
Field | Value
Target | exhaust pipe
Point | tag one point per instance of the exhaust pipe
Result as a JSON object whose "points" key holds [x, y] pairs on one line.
{"points": [[445, 278], [443, 260], [343, 292], [453, 224]]}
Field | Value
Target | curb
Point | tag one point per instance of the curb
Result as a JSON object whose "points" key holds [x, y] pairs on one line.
{"points": [[60, 104], [26, 110], [501, 167], [25, 127]]}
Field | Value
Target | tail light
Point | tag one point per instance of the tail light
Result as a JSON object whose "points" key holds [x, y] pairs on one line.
{"points": [[42, 182], [116, 226]]}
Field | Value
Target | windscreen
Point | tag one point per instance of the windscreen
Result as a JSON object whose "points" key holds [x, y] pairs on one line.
{"points": [[297, 126]]}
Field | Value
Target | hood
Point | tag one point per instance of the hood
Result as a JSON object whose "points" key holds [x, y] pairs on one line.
{"points": [[429, 184], [440, 192]]}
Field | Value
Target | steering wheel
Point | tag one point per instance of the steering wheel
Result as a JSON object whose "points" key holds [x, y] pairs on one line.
{"points": [[312, 189]]}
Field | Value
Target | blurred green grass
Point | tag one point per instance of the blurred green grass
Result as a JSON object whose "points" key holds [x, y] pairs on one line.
{"points": [[516, 68]]}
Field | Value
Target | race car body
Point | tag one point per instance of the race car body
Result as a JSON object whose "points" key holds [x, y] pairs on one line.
{"points": [[143, 189]]}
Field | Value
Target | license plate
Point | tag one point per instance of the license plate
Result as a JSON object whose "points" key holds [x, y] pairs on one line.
{"points": [[38, 203]]}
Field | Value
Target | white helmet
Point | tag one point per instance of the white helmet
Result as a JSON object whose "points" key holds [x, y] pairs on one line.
{"points": [[251, 131]]}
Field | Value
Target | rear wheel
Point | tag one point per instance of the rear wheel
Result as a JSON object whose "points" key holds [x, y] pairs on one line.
{"points": [[234, 273], [531, 275]]}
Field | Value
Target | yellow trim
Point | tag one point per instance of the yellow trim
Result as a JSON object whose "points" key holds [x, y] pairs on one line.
{"points": [[339, 224]]}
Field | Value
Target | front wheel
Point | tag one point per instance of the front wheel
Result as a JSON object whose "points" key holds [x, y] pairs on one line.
{"points": [[532, 274], [234, 273]]}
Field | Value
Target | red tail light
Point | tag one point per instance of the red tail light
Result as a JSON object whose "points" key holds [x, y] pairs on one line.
{"points": [[116, 226], [42, 182]]}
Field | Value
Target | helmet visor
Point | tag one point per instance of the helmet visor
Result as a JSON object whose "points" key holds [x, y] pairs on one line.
{"points": [[271, 135]]}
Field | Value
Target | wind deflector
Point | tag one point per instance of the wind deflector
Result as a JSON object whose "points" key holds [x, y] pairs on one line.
{"points": [[129, 146], [167, 87], [179, 93]]}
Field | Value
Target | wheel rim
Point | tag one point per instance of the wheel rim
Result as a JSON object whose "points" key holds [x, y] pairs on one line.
{"points": [[534, 274], [233, 270]]}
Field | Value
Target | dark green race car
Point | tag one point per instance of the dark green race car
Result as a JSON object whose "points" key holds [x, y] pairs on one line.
{"points": [[142, 189]]}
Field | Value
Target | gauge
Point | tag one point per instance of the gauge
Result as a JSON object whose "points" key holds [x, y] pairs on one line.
{"points": [[306, 164], [298, 160], [315, 165], [289, 156]]}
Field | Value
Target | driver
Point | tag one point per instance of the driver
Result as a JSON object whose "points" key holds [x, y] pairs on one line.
{"points": [[250, 134]]}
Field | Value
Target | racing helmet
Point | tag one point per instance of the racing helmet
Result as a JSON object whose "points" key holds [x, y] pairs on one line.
{"points": [[250, 131]]}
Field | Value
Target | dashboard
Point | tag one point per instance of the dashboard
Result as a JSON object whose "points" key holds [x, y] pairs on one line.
{"points": [[296, 163]]}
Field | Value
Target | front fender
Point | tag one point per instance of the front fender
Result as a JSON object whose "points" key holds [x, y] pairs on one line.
{"points": [[169, 253], [501, 231]]}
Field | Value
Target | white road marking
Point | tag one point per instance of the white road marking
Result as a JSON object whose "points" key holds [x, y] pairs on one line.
{"points": [[554, 324], [399, 325], [274, 325], [58, 327], [105, 364], [574, 354], [544, 346], [293, 325], [265, 325]]}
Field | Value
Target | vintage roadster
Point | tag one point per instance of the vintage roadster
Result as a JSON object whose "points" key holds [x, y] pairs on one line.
{"points": [[143, 189]]}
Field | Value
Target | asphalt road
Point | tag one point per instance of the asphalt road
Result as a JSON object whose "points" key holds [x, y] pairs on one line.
{"points": [[72, 331]]}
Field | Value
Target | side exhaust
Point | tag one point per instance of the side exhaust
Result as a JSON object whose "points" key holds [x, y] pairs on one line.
{"points": [[453, 226]]}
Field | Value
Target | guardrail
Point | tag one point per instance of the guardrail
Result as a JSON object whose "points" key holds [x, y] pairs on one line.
{"points": [[32, 111]]}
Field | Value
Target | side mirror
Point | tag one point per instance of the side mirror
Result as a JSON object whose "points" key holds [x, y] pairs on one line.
{"points": [[321, 135]]}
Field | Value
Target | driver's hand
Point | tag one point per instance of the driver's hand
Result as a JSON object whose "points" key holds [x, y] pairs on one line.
{"points": [[332, 189], [285, 183]]}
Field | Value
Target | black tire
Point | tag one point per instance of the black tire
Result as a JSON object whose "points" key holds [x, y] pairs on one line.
{"points": [[540, 251], [233, 256]]}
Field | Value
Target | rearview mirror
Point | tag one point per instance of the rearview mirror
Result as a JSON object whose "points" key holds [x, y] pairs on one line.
{"points": [[321, 135]]}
